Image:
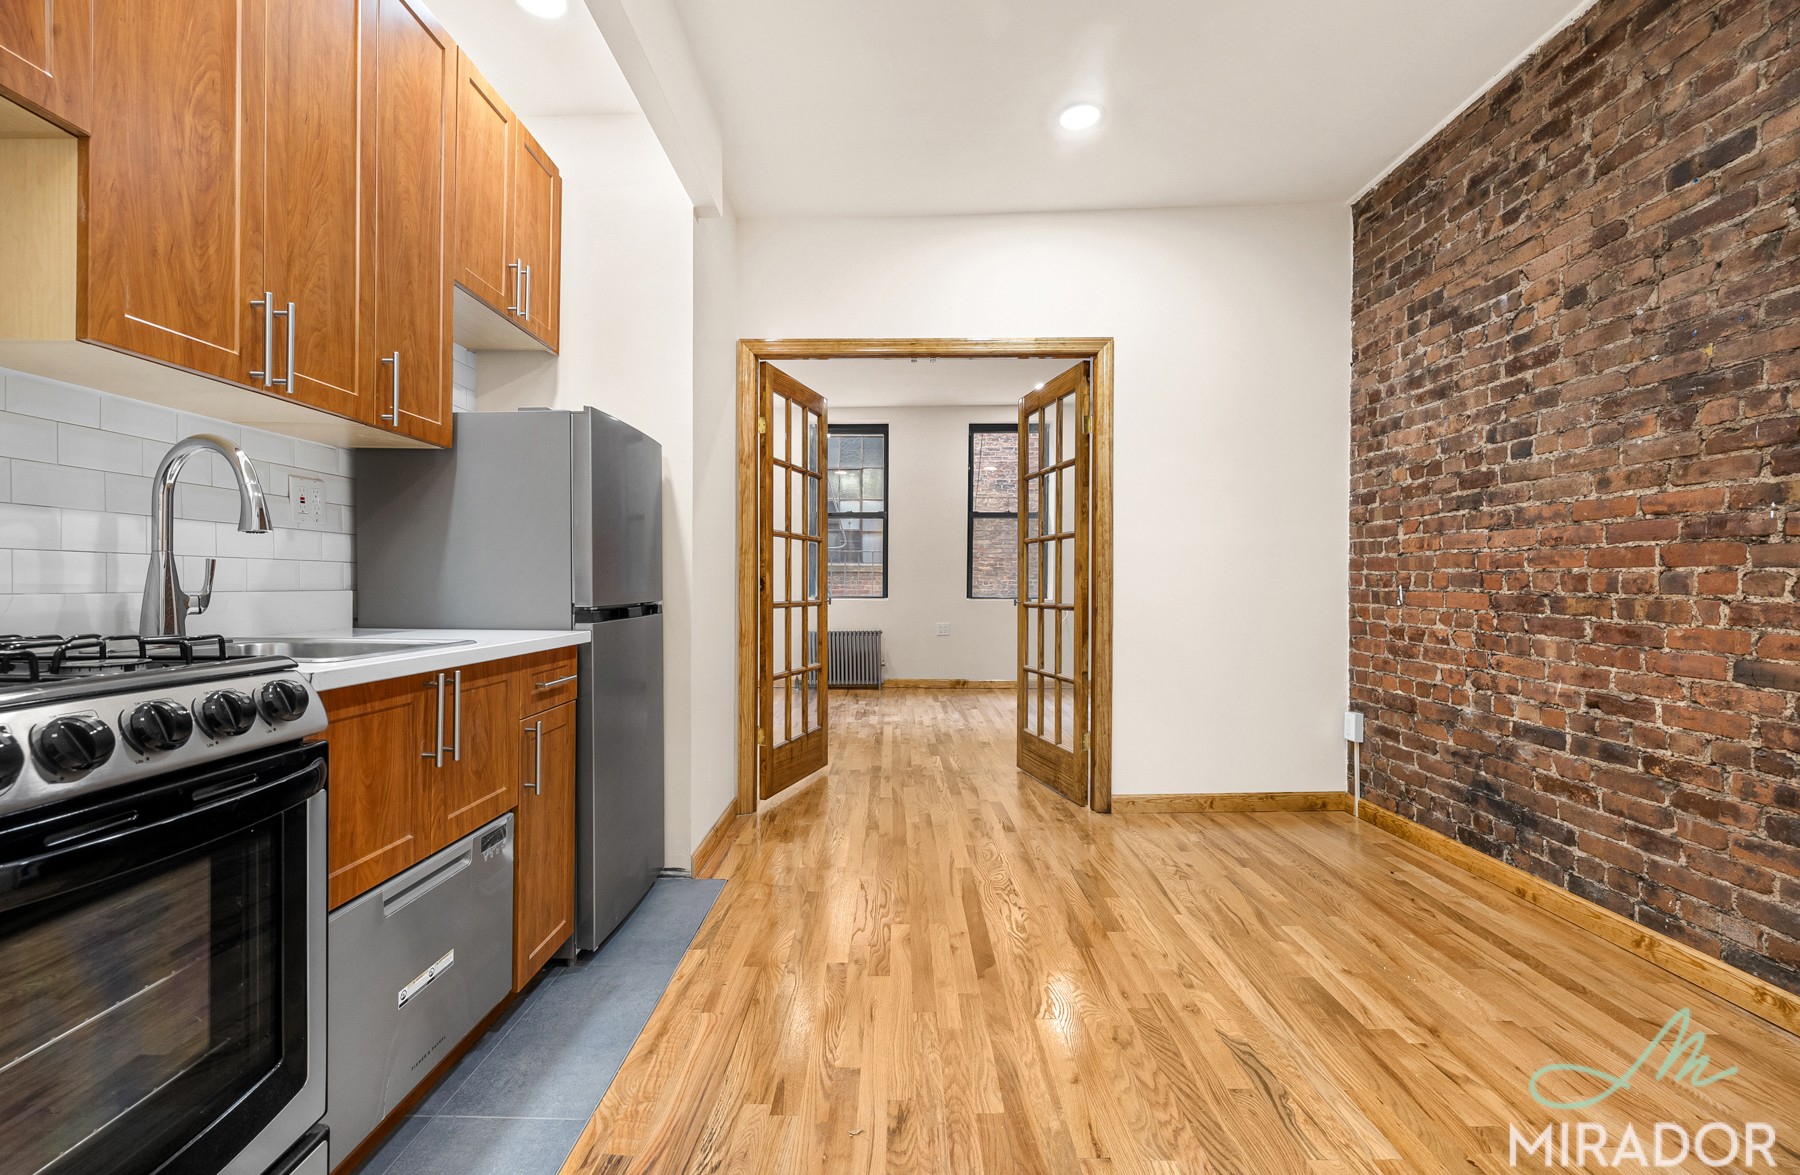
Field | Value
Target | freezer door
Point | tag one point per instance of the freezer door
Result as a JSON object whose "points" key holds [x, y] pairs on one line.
{"points": [[617, 518], [619, 765], [472, 537]]}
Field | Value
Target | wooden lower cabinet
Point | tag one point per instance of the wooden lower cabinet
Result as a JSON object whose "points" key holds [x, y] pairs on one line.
{"points": [[544, 844], [476, 782], [400, 791], [379, 736]]}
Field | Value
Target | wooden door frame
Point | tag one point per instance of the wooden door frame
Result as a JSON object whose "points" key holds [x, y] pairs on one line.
{"points": [[1098, 352]]}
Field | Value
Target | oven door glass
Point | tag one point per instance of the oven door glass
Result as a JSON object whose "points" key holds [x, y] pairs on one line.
{"points": [[153, 985]]}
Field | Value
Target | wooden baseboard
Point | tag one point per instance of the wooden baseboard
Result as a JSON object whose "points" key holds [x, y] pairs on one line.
{"points": [[1756, 996], [712, 845], [945, 683], [1300, 801]]}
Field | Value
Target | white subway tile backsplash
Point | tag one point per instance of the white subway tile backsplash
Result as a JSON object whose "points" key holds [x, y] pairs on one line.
{"points": [[317, 458], [30, 527], [59, 571], [39, 484], [30, 396], [85, 530], [75, 478], [26, 436], [91, 448], [134, 418]]}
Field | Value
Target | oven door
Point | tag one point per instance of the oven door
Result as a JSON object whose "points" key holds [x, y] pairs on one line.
{"points": [[161, 973]]}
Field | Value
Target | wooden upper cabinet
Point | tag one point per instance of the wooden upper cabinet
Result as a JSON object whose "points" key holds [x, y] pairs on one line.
{"points": [[312, 206], [537, 234], [44, 57], [484, 263], [410, 92], [508, 224], [174, 160]]}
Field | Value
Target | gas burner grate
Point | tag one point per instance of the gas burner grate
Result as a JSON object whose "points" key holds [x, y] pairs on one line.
{"points": [[25, 659]]}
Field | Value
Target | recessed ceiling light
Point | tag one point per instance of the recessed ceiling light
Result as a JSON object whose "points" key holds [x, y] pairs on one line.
{"points": [[1083, 116], [546, 9]]}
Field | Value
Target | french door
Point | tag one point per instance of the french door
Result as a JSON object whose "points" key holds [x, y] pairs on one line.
{"points": [[1053, 583], [794, 711]]}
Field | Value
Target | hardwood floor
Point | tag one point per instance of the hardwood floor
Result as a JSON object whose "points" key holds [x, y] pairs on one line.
{"points": [[925, 962]]}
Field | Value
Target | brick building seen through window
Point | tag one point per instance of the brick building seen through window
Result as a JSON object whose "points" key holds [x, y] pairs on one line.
{"points": [[993, 511], [856, 520]]}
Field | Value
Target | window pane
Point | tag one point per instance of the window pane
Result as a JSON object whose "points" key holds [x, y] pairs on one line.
{"points": [[994, 559], [995, 472], [854, 556]]}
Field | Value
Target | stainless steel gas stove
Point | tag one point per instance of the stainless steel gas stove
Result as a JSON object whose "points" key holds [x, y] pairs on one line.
{"points": [[162, 908]]}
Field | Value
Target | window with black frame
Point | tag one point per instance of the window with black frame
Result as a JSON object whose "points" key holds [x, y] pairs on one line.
{"points": [[856, 511], [993, 511]]}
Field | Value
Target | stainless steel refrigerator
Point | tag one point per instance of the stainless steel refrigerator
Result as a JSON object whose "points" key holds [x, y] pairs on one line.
{"points": [[543, 519]]}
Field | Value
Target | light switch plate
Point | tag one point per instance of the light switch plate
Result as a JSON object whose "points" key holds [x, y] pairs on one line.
{"points": [[308, 497], [943, 628]]}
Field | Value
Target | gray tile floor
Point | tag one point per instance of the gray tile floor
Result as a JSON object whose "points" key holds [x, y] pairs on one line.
{"points": [[517, 1102]]}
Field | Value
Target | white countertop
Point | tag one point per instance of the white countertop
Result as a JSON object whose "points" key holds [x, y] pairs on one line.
{"points": [[477, 645]]}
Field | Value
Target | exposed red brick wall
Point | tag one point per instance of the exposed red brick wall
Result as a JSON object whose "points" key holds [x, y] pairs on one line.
{"points": [[1576, 447]]}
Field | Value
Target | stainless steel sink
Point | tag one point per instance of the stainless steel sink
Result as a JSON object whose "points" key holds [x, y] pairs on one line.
{"points": [[332, 648]]}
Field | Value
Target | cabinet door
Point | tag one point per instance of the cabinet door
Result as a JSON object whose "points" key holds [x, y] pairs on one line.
{"points": [[409, 92], [537, 233], [312, 203], [478, 780], [379, 734], [174, 162], [544, 857], [484, 262], [44, 46]]}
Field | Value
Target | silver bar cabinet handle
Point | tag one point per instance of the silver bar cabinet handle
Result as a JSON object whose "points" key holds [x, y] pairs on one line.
{"points": [[537, 757], [393, 417], [556, 682], [267, 302], [437, 739], [456, 748], [518, 270], [289, 381], [285, 383], [526, 312]]}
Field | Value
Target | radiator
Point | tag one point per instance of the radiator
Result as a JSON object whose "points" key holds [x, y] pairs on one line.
{"points": [[855, 658]]}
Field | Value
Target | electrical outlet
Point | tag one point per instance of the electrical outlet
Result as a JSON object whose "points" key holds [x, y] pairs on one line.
{"points": [[943, 628], [1353, 726], [308, 497]]}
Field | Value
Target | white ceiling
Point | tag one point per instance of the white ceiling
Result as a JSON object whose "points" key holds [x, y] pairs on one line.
{"points": [[949, 106], [906, 383], [541, 67]]}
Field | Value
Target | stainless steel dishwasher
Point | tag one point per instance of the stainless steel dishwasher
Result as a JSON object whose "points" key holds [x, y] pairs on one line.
{"points": [[414, 966]]}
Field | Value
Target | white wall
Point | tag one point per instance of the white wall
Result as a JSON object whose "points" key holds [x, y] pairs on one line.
{"points": [[928, 552], [1232, 379], [627, 347], [75, 472]]}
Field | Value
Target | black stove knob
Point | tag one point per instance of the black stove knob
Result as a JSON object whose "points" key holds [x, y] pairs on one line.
{"points": [[12, 758], [158, 726], [282, 700], [72, 746], [227, 712]]}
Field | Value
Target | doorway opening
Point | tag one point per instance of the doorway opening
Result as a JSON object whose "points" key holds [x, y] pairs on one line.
{"points": [[1065, 548]]}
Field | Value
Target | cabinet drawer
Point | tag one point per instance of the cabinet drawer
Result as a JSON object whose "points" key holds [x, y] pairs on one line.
{"points": [[546, 680]]}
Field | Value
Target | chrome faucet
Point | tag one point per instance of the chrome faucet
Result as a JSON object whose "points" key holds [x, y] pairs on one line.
{"points": [[166, 605]]}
